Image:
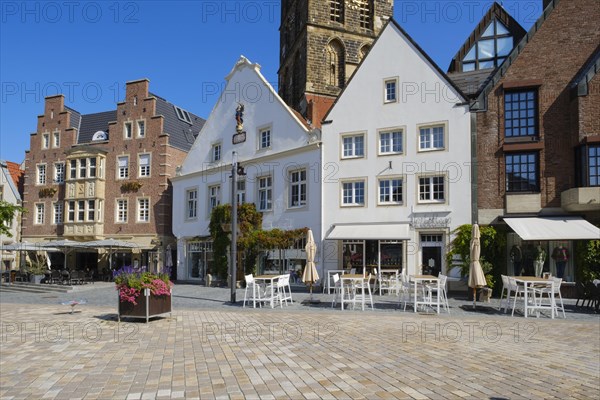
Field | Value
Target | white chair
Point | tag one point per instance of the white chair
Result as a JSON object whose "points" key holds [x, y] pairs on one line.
{"points": [[507, 289], [360, 291], [431, 290], [389, 282], [280, 294], [337, 289], [548, 291], [256, 291], [518, 289]]}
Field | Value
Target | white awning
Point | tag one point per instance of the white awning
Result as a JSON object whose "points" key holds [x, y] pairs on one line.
{"points": [[553, 228], [370, 231]]}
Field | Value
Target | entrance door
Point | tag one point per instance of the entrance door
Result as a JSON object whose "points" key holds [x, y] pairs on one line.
{"points": [[431, 254]]}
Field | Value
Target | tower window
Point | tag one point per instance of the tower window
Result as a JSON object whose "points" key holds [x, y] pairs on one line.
{"points": [[365, 16], [336, 10], [336, 64]]}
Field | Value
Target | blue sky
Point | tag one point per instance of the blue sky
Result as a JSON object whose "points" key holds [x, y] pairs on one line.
{"points": [[89, 50]]}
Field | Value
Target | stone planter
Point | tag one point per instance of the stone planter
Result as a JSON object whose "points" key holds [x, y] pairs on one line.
{"points": [[36, 278], [148, 306]]}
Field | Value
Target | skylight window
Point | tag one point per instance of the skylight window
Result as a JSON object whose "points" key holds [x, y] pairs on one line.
{"points": [[183, 115], [490, 50]]}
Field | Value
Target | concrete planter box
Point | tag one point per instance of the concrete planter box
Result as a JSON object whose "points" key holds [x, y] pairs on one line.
{"points": [[148, 306]]}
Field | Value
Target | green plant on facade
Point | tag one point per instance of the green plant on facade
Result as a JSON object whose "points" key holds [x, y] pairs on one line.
{"points": [[492, 242], [8, 212], [132, 186], [588, 260], [47, 192]]}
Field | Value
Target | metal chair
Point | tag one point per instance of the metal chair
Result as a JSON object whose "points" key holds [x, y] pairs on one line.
{"points": [[256, 290]]}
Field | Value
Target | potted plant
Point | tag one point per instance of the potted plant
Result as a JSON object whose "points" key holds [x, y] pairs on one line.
{"points": [[142, 294], [36, 267]]}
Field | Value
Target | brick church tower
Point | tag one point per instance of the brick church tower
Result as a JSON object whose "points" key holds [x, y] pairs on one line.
{"points": [[321, 44]]}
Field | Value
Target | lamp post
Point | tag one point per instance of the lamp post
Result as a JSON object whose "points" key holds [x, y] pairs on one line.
{"points": [[233, 262]]}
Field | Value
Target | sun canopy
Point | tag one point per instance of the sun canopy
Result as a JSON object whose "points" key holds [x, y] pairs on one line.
{"points": [[553, 228], [111, 243], [26, 246], [370, 231]]}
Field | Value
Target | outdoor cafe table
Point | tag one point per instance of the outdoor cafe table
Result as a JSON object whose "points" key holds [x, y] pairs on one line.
{"points": [[351, 278], [421, 279], [530, 282], [272, 279]]}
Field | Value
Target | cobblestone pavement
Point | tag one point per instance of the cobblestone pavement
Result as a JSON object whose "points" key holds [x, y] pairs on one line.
{"points": [[208, 349]]}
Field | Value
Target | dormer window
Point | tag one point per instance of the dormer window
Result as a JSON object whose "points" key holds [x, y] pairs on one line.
{"points": [[183, 115], [492, 48]]}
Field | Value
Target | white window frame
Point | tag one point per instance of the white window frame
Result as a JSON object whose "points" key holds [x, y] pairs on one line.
{"points": [[267, 189], [390, 179], [431, 186], [122, 172], [41, 174], [121, 211], [94, 167], [80, 215], [241, 191], [144, 170], [71, 211], [57, 213], [45, 140], [59, 178], [354, 188], [82, 168], [390, 132], [127, 130], [56, 139], [191, 204], [90, 208], [143, 210], [72, 169], [386, 98], [40, 211], [353, 146], [431, 136], [141, 128], [265, 138], [295, 180], [214, 197], [216, 152]]}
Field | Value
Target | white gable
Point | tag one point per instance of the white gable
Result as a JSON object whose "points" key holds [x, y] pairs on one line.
{"points": [[263, 108]]}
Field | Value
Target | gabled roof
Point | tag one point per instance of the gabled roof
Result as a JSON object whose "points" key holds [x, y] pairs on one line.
{"points": [[471, 82], [181, 133], [15, 174], [419, 50], [92, 123], [481, 96], [587, 73], [496, 11]]}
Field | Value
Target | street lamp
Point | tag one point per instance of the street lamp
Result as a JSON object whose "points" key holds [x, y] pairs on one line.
{"points": [[235, 171]]}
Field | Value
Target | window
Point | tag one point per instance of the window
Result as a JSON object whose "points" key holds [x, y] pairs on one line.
{"points": [[81, 211], [265, 138], [522, 172], [41, 174], [192, 203], [241, 191], [91, 210], [390, 91], [336, 64], [45, 141], [490, 50], [216, 152], [265, 193], [364, 14], [143, 210], [92, 167], [82, 168], [59, 173], [214, 197], [57, 217], [432, 189], [144, 165], [183, 115], [431, 138], [390, 191], [56, 139], [39, 214], [128, 131], [122, 210], [73, 169], [141, 128], [123, 167], [71, 211], [298, 188], [520, 113], [391, 142], [588, 165], [336, 10], [353, 193], [354, 146]]}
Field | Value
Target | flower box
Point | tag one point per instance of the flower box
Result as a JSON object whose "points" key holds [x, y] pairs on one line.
{"points": [[147, 305]]}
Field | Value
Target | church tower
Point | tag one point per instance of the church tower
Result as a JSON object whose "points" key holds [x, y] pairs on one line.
{"points": [[321, 44]]}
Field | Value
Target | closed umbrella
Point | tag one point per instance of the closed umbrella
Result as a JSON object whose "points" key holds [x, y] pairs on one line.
{"points": [[476, 276], [310, 274]]}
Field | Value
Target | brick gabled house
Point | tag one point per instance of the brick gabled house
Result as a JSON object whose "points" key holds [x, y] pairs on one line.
{"points": [[106, 175], [537, 135]]}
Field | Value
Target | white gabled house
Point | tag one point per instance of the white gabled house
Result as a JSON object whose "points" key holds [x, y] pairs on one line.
{"points": [[398, 144], [281, 157]]}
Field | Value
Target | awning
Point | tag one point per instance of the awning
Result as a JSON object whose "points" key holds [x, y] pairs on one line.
{"points": [[370, 231], [553, 228]]}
